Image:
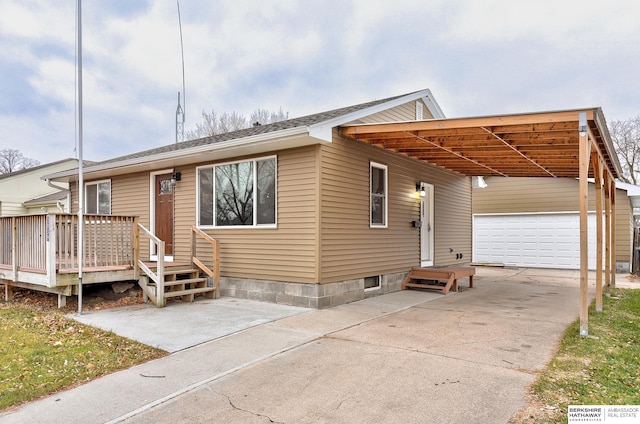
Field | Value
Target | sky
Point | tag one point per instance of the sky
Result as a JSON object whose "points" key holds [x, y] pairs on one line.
{"points": [[478, 57]]}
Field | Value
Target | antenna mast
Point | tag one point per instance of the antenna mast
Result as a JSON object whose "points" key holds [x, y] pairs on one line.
{"points": [[180, 111]]}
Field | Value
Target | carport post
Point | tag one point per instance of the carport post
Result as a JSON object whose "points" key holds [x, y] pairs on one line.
{"points": [[608, 238], [584, 153], [597, 173]]}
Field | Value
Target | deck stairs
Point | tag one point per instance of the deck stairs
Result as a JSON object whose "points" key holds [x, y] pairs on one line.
{"points": [[178, 281], [437, 278]]}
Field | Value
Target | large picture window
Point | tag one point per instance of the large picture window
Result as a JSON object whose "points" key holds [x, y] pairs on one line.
{"points": [[238, 194], [378, 195], [98, 198]]}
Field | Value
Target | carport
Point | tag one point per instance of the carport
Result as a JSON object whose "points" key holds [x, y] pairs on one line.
{"points": [[558, 144]]}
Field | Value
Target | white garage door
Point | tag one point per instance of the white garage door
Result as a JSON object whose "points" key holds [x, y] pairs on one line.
{"points": [[532, 240]]}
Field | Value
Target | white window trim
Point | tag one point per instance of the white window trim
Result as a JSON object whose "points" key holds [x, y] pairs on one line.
{"points": [[255, 176], [386, 195], [97, 194]]}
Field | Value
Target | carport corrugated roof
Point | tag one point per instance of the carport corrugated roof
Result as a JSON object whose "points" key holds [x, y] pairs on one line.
{"points": [[569, 143], [544, 144]]}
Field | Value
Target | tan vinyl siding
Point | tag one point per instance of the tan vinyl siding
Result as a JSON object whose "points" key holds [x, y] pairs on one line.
{"points": [[350, 248], [130, 196], [525, 195], [285, 253], [514, 195], [184, 206], [405, 112], [624, 227]]}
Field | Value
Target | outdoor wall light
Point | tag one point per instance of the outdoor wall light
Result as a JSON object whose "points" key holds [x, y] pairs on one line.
{"points": [[582, 124], [175, 177], [420, 188]]}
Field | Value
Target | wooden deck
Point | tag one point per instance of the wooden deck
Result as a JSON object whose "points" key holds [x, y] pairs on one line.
{"points": [[40, 252], [443, 279]]}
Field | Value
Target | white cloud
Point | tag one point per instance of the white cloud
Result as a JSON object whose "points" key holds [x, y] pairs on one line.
{"points": [[478, 57]]}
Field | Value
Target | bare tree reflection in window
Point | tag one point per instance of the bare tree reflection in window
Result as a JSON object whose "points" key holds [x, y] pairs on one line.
{"points": [[266, 207], [234, 194]]}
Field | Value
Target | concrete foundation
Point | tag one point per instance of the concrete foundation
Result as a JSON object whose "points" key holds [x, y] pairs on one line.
{"points": [[308, 295]]}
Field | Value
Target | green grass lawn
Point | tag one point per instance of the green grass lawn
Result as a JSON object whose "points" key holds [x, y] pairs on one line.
{"points": [[600, 369], [42, 352]]}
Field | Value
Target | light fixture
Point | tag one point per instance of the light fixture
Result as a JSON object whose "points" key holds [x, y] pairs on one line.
{"points": [[582, 124], [175, 177], [420, 188]]}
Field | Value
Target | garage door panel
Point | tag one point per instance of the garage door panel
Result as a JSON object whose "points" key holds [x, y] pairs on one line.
{"points": [[532, 240]]}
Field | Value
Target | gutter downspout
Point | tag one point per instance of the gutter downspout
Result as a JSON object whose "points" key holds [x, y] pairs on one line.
{"points": [[66, 190]]}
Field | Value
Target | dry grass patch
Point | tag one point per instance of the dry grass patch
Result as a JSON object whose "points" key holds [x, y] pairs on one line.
{"points": [[43, 352], [601, 369]]}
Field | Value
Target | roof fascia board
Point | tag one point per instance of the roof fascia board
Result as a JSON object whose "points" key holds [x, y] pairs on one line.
{"points": [[433, 106], [606, 137], [272, 138], [486, 121]]}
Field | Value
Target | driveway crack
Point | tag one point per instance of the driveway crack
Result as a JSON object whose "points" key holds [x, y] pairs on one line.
{"points": [[237, 408]]}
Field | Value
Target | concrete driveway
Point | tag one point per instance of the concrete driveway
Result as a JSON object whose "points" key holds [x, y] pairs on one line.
{"points": [[405, 357]]}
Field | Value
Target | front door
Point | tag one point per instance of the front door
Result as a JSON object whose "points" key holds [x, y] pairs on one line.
{"points": [[163, 214], [426, 230]]}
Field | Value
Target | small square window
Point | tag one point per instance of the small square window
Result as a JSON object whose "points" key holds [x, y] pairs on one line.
{"points": [[372, 283], [98, 198]]}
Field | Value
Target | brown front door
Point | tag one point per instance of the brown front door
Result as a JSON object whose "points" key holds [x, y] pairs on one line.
{"points": [[164, 212]]}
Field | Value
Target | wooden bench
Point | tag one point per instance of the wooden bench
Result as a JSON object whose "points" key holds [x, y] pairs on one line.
{"points": [[448, 275]]}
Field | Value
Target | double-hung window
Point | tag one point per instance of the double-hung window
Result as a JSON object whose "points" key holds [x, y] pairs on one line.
{"points": [[378, 195], [98, 197], [238, 194]]}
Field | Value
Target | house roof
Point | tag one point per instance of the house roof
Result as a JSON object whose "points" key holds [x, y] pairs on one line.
{"points": [[633, 192], [35, 168], [305, 130], [47, 199], [542, 144]]}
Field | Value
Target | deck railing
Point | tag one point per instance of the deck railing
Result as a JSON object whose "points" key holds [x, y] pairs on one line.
{"points": [[214, 245], [48, 244], [158, 276], [108, 241]]}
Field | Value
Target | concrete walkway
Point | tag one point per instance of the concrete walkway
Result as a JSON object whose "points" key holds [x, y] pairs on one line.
{"points": [[405, 357]]}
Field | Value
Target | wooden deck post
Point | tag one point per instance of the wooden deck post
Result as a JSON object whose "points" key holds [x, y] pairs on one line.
{"points": [[51, 243], [8, 291], [14, 247], [584, 155], [136, 247], [160, 273], [597, 172], [613, 233], [216, 268]]}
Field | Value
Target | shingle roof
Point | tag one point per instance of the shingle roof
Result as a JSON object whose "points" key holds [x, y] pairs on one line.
{"points": [[37, 168], [49, 198], [256, 130]]}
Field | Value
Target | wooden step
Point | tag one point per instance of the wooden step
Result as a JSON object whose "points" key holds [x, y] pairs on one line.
{"points": [[176, 271], [178, 293], [185, 281], [434, 275]]}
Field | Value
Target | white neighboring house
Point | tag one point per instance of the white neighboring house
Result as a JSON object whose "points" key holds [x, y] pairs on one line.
{"points": [[25, 192]]}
